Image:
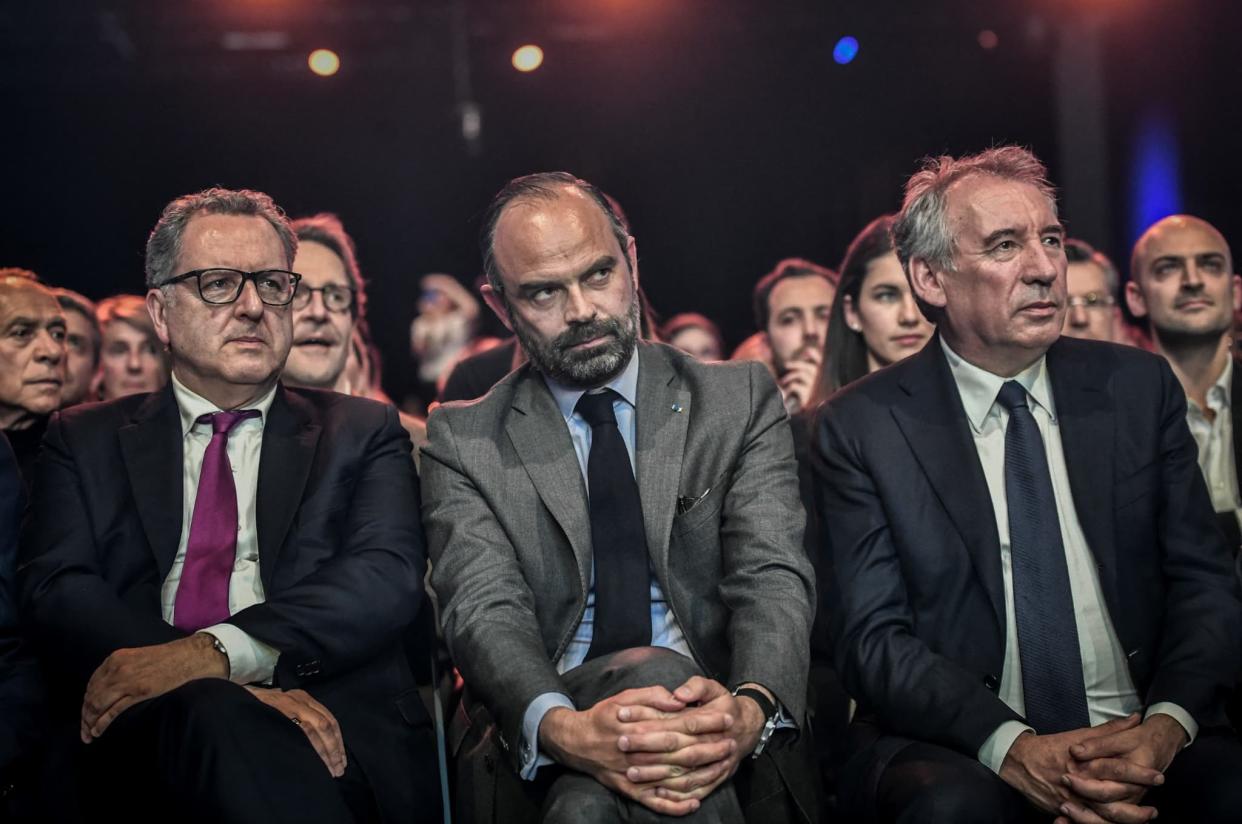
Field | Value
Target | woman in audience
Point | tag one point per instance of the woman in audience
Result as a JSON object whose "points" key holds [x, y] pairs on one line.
{"points": [[131, 357], [694, 334], [874, 320]]}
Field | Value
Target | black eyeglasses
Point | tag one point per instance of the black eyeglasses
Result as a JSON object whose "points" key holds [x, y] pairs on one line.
{"points": [[275, 287], [335, 298]]}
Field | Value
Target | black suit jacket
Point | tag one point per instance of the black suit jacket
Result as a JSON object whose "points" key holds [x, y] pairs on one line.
{"points": [[910, 524], [341, 556]]}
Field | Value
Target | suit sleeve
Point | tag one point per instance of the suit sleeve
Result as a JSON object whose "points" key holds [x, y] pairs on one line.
{"points": [[357, 604], [74, 614], [487, 608], [1197, 664], [891, 672], [768, 583]]}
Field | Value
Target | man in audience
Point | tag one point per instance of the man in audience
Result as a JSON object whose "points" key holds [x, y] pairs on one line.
{"points": [[1182, 280], [1037, 612], [220, 573], [615, 534], [1094, 290], [82, 342], [792, 305], [132, 359], [32, 361]]}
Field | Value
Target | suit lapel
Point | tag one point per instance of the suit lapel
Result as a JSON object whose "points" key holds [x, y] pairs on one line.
{"points": [[541, 440], [290, 438], [935, 427], [151, 447], [1085, 420], [661, 420]]}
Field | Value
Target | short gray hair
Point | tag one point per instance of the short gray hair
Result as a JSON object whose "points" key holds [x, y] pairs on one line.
{"points": [[164, 244], [544, 186], [922, 227]]}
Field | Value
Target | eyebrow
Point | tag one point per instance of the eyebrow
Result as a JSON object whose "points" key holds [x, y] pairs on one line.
{"points": [[1004, 234], [601, 262]]}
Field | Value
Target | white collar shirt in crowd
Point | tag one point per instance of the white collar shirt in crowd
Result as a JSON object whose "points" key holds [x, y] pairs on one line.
{"points": [[1215, 440]]}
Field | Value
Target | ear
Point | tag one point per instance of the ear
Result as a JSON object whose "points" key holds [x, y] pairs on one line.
{"points": [[1236, 284], [631, 255], [926, 283], [1137, 301], [497, 304], [157, 306], [852, 319]]}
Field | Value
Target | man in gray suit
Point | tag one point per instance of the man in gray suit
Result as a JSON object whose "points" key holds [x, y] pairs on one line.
{"points": [[616, 535]]}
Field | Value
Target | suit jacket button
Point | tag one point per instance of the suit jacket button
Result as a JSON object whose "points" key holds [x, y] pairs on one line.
{"points": [[991, 682]]}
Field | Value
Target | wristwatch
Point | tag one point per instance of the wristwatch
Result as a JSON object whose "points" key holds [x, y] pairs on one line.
{"points": [[219, 647], [769, 712]]}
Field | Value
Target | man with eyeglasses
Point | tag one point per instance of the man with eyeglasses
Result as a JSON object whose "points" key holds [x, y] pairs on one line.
{"points": [[1093, 289], [220, 572]]}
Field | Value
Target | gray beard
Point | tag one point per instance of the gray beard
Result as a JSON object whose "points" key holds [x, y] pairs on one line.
{"points": [[581, 370]]}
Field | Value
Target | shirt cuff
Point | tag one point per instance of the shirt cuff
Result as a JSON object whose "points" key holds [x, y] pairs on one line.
{"points": [[532, 759], [250, 660], [1177, 714], [996, 747]]}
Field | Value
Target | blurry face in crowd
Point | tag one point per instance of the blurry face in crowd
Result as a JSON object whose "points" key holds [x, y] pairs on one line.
{"points": [[1092, 313], [798, 309], [1004, 300], [80, 358], [228, 353], [32, 352], [886, 315], [568, 294], [321, 335], [1184, 280], [698, 342], [129, 361]]}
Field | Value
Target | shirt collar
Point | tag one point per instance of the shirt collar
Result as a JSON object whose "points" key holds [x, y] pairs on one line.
{"points": [[624, 384], [193, 405], [1221, 388], [979, 388]]}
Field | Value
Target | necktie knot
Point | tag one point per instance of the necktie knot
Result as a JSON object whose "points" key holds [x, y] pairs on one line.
{"points": [[1012, 396], [223, 422], [596, 408]]}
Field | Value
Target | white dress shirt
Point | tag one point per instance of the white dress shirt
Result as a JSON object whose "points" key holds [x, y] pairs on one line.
{"points": [[1106, 675], [1215, 440], [250, 660]]}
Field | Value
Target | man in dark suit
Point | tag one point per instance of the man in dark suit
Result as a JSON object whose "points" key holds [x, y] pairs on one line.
{"points": [[32, 360], [1182, 280], [615, 533], [1037, 614], [219, 573]]}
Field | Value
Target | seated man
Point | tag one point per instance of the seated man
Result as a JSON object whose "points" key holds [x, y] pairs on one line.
{"points": [[32, 361], [616, 537], [82, 347], [219, 573], [1037, 611]]}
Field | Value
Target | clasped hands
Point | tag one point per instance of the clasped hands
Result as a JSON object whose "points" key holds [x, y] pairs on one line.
{"points": [[1096, 775], [129, 676], [665, 750]]}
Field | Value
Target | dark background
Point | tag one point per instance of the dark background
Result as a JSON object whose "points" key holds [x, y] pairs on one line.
{"points": [[724, 127]]}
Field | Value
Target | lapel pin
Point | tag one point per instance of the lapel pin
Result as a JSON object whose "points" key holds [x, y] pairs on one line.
{"points": [[676, 407]]}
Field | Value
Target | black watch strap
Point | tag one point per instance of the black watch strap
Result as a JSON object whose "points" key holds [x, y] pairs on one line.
{"points": [[765, 704]]}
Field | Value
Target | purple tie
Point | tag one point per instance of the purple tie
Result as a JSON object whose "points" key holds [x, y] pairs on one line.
{"points": [[203, 592]]}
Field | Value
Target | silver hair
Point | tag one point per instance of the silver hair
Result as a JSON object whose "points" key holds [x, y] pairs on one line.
{"points": [[164, 244], [922, 227]]}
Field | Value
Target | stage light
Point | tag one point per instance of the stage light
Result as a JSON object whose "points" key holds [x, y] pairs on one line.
{"points": [[324, 62], [528, 58], [845, 50], [988, 39]]}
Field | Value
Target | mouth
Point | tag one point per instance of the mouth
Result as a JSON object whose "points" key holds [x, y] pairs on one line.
{"points": [[1039, 308], [46, 383], [1195, 303], [314, 343], [248, 340], [908, 340]]}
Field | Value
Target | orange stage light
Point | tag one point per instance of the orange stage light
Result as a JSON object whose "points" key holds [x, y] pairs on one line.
{"points": [[324, 62], [528, 58]]}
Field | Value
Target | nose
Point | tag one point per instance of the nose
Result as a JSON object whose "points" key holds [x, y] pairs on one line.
{"points": [[133, 360], [248, 304], [1042, 265], [814, 328], [910, 315], [1077, 316], [1191, 278], [316, 309], [50, 350], [578, 309]]}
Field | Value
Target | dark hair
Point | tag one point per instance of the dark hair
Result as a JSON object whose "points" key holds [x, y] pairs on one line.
{"points": [[71, 301], [327, 230], [691, 320], [845, 351], [1079, 251], [543, 186], [787, 268], [164, 244]]}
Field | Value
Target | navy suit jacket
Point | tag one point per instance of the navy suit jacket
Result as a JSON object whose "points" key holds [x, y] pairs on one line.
{"points": [[341, 556], [909, 521]]}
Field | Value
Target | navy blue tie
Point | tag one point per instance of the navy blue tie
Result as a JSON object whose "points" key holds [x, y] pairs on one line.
{"points": [[1052, 679], [618, 535]]}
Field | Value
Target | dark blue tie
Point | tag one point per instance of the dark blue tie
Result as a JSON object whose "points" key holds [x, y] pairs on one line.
{"points": [[1052, 680], [618, 535]]}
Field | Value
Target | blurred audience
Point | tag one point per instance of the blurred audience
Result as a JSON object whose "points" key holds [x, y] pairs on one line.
{"points": [[445, 325], [32, 361], [131, 358], [694, 334], [792, 305], [1094, 289], [82, 343]]}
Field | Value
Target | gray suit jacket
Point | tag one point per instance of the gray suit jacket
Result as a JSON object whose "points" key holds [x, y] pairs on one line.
{"points": [[509, 530]]}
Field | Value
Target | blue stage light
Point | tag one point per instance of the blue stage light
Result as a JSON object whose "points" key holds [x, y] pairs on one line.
{"points": [[1156, 172], [845, 50]]}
